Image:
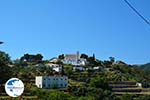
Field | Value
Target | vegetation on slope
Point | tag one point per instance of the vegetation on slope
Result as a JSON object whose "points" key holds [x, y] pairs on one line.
{"points": [[83, 85]]}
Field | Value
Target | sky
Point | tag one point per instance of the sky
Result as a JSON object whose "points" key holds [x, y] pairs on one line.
{"points": [[52, 27]]}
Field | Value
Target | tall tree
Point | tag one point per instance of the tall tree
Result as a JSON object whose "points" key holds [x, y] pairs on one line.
{"points": [[61, 57], [5, 70], [94, 56], [4, 58]]}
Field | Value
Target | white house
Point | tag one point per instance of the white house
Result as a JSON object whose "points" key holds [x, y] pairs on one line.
{"points": [[55, 67], [74, 59], [51, 81], [71, 59]]}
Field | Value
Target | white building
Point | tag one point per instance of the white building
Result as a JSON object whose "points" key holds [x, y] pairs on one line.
{"points": [[74, 59], [71, 59], [55, 67], [139, 84], [51, 81]]}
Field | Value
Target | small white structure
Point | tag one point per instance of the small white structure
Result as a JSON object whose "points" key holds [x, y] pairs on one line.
{"points": [[139, 84], [83, 61], [96, 68], [55, 67], [51, 81], [80, 68]]}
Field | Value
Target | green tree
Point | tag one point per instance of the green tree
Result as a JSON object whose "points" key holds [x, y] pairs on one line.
{"points": [[86, 98], [97, 93], [49, 94], [32, 58], [92, 61], [26, 57], [108, 95], [145, 97], [112, 59], [69, 71], [127, 97], [5, 70], [4, 58], [107, 63], [84, 56], [61, 57], [38, 57], [99, 82]]}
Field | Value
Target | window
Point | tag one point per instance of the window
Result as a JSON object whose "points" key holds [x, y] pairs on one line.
{"points": [[65, 85], [61, 85], [44, 85]]}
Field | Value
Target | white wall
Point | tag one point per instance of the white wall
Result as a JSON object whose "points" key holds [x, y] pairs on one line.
{"points": [[38, 81], [50, 81]]}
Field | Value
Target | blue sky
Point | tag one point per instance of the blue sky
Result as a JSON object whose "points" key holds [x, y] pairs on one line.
{"points": [[52, 27]]}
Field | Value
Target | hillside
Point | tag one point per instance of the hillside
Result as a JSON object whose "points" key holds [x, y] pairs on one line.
{"points": [[99, 80], [145, 67]]}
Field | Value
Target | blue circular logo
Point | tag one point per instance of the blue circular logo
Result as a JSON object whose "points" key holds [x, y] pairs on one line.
{"points": [[14, 87]]}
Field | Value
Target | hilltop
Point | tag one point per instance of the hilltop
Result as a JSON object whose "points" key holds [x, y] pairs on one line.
{"points": [[89, 78]]}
